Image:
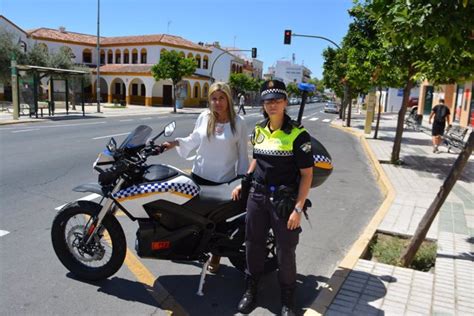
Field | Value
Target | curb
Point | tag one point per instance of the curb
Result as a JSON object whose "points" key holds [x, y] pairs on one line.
{"points": [[328, 293]]}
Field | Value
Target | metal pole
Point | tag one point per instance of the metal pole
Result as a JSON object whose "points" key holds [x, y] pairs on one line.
{"points": [[98, 57], [226, 51], [67, 96], [35, 92], [15, 94]]}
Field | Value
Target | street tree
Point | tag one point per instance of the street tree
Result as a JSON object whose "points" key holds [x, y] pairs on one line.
{"points": [[292, 90], [241, 83], [173, 66], [428, 218], [8, 48], [424, 40]]}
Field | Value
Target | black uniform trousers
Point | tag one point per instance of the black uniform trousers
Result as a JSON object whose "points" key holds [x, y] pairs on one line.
{"points": [[261, 216]]}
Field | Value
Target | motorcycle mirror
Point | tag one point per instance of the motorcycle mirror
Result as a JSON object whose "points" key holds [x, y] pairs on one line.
{"points": [[169, 129], [112, 145]]}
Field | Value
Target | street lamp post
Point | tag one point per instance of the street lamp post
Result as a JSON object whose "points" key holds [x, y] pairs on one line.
{"points": [[254, 55], [98, 57]]}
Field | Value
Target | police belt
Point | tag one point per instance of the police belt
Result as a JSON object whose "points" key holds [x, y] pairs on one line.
{"points": [[277, 190]]}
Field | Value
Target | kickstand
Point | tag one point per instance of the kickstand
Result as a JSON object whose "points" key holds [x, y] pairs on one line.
{"points": [[203, 276]]}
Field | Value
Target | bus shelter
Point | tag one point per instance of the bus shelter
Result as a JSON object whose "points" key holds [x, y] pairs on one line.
{"points": [[36, 74]]}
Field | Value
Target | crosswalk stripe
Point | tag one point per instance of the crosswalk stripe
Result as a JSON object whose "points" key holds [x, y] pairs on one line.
{"points": [[326, 120], [314, 119], [3, 233]]}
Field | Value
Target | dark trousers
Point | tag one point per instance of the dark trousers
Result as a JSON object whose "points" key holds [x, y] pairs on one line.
{"points": [[241, 107], [260, 218]]}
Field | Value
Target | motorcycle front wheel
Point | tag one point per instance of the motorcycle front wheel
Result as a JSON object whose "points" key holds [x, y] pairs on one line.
{"points": [[102, 256], [239, 261]]}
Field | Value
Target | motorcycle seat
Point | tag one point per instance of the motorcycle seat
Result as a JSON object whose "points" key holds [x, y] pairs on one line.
{"points": [[212, 197]]}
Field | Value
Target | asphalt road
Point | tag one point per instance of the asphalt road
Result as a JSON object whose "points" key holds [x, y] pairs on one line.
{"points": [[40, 164]]}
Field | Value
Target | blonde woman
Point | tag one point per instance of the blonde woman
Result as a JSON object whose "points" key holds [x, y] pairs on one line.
{"points": [[220, 139]]}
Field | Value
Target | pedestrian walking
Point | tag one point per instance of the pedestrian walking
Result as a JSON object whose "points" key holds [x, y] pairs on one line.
{"points": [[241, 104], [220, 140], [279, 176], [441, 116]]}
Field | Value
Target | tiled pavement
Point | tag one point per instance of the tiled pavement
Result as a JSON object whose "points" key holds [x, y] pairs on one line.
{"points": [[379, 289]]}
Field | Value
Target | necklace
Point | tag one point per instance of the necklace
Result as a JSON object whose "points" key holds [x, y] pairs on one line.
{"points": [[219, 128]]}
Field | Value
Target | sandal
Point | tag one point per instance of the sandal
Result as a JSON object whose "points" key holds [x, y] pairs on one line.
{"points": [[214, 265]]}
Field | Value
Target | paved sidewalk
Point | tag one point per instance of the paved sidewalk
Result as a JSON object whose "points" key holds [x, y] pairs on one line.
{"points": [[372, 288], [107, 110]]}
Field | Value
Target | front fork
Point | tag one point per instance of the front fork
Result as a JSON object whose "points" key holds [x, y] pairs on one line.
{"points": [[106, 208]]}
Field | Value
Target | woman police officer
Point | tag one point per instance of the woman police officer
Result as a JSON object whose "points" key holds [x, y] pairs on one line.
{"points": [[281, 174]]}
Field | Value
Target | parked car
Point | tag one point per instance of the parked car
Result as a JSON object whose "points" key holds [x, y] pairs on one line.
{"points": [[412, 101], [293, 101], [331, 107]]}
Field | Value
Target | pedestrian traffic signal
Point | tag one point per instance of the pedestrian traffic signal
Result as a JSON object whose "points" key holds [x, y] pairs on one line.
{"points": [[254, 52], [287, 39]]}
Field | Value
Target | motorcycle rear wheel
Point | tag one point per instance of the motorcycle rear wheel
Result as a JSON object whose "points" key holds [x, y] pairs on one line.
{"points": [[271, 260], [103, 256]]}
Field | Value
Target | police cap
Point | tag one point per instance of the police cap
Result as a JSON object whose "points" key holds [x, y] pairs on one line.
{"points": [[273, 89]]}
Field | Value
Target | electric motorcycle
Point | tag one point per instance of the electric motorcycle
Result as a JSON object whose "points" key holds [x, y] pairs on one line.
{"points": [[177, 218]]}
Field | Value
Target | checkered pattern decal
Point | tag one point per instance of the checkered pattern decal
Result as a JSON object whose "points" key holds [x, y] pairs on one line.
{"points": [[184, 188], [322, 161], [268, 152], [274, 91]]}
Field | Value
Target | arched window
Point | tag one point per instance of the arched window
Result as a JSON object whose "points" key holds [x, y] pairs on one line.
{"points": [[102, 57], [126, 56], [134, 56], [196, 92], [233, 68], [143, 56], [118, 56], [181, 53], [87, 56], [190, 55], [205, 62], [198, 60], [205, 90], [110, 57]]}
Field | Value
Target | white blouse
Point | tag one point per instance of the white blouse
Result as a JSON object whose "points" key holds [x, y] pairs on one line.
{"points": [[221, 157]]}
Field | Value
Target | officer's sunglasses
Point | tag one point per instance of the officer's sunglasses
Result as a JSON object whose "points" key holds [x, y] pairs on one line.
{"points": [[272, 101]]}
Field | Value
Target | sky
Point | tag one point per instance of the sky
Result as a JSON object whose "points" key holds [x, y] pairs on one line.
{"points": [[245, 23]]}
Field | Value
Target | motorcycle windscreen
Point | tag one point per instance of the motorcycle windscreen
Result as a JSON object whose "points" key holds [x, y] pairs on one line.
{"points": [[137, 138]]}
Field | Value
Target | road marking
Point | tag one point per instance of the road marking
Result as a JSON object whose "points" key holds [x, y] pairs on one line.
{"points": [[3, 233], [146, 118], [304, 117], [314, 119], [26, 130], [108, 136], [326, 120], [126, 120], [89, 197]]}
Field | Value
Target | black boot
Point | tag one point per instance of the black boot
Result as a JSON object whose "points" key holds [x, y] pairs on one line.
{"points": [[249, 299], [287, 301]]}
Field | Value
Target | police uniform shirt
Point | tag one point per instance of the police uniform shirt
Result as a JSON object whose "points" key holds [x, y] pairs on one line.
{"points": [[281, 154]]}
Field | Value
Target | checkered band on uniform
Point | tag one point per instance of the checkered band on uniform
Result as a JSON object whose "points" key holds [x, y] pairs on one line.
{"points": [[274, 91], [269, 152], [184, 188]]}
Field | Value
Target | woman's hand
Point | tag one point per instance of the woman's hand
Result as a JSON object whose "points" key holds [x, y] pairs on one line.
{"points": [[170, 145], [294, 221], [236, 193]]}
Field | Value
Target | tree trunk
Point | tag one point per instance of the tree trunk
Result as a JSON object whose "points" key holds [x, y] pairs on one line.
{"points": [[349, 108], [378, 114], [395, 159], [427, 220], [174, 96]]}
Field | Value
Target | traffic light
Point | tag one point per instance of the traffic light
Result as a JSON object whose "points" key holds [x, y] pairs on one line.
{"points": [[254, 52], [287, 39]]}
